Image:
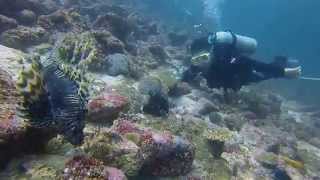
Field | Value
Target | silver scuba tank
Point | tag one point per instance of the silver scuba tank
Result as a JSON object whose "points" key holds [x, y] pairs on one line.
{"points": [[243, 45]]}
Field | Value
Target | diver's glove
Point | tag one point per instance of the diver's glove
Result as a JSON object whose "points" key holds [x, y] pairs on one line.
{"points": [[292, 73]]}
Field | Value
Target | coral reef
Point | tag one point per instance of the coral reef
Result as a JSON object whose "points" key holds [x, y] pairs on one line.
{"points": [[7, 23], [127, 61], [164, 154], [117, 64], [158, 103], [62, 21], [15, 131], [216, 140], [106, 107], [115, 151], [117, 25], [27, 17], [89, 49], [22, 37], [81, 167]]}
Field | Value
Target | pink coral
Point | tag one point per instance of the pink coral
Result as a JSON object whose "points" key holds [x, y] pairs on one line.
{"points": [[123, 126], [82, 167], [106, 106], [115, 174]]}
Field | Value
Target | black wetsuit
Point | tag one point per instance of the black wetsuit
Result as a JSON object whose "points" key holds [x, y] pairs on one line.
{"points": [[231, 71]]}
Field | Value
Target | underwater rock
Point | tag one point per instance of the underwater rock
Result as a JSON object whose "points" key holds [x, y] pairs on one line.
{"points": [[109, 42], [216, 118], [106, 107], [216, 140], [150, 85], [262, 105], [117, 25], [27, 17], [37, 6], [180, 89], [114, 150], [7, 23], [117, 64], [62, 21], [234, 122], [164, 154], [159, 53], [178, 39], [43, 48], [169, 157], [93, 9], [39, 166], [158, 100], [69, 3], [268, 160], [207, 107], [219, 169], [82, 167], [157, 105], [23, 37], [167, 78], [310, 155], [16, 134]]}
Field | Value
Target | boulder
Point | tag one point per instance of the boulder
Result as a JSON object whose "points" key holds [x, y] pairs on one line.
{"points": [[117, 64], [164, 154], [116, 24], [38, 6], [82, 167], [27, 17], [310, 155], [157, 105], [24, 37], [262, 105], [114, 150], [180, 89], [106, 107], [159, 53], [168, 78], [109, 42], [62, 21], [150, 85], [158, 100], [7, 23], [206, 107], [16, 135], [216, 118]]}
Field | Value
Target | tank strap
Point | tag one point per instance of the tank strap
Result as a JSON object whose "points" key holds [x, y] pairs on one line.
{"points": [[234, 43]]}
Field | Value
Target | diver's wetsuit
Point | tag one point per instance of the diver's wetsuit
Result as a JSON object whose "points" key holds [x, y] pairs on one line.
{"points": [[231, 71], [240, 71]]}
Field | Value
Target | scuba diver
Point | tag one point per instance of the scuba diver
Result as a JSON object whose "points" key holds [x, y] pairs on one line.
{"points": [[229, 65]]}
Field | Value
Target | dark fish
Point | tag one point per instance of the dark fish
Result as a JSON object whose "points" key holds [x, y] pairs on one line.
{"points": [[61, 107]]}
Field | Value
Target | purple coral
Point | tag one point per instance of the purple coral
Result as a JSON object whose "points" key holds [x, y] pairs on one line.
{"points": [[82, 167]]}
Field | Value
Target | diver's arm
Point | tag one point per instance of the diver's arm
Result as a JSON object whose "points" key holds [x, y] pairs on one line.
{"points": [[271, 70]]}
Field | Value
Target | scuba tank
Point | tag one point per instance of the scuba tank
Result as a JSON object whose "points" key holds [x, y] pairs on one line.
{"points": [[241, 44]]}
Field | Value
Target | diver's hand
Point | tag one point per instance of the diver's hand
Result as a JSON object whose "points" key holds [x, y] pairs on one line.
{"points": [[292, 73]]}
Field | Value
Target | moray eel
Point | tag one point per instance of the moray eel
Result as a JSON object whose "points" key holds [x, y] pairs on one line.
{"points": [[52, 99]]}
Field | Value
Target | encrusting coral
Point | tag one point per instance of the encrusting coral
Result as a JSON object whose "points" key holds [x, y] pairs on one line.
{"points": [[216, 140]]}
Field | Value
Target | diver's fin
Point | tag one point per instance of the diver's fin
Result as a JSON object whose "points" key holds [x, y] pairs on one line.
{"points": [[310, 78]]}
